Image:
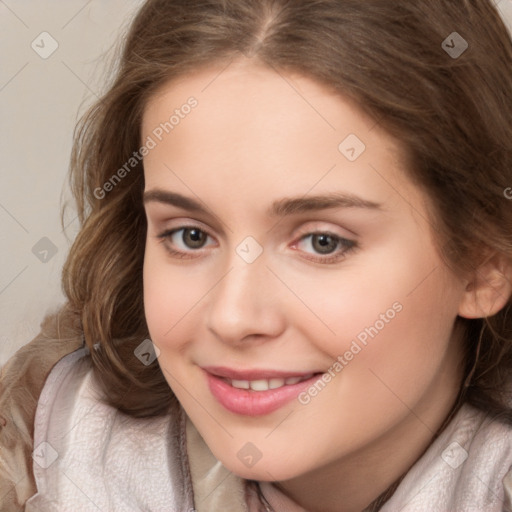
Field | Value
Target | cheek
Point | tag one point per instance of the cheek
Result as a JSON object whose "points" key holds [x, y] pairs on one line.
{"points": [[415, 343], [390, 317], [390, 345], [396, 362], [169, 296]]}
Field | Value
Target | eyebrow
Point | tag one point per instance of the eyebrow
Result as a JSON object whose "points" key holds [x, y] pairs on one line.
{"points": [[279, 208]]}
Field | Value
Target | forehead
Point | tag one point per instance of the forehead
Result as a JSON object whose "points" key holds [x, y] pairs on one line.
{"points": [[258, 129], [261, 103]]}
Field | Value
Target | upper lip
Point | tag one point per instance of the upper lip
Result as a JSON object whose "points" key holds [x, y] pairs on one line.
{"points": [[253, 373]]}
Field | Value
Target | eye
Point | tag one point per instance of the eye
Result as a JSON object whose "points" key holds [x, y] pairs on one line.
{"points": [[330, 247], [183, 241], [323, 243]]}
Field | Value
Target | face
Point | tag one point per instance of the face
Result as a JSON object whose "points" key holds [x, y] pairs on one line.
{"points": [[291, 280]]}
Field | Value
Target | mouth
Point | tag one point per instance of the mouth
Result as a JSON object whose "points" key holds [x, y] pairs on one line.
{"points": [[256, 392], [266, 384]]}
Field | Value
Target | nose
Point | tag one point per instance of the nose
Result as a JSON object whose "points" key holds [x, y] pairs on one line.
{"points": [[245, 304]]}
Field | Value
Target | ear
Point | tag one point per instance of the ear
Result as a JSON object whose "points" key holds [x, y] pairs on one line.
{"points": [[488, 289]]}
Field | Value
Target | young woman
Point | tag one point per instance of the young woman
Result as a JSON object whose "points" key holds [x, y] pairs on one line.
{"points": [[292, 284]]}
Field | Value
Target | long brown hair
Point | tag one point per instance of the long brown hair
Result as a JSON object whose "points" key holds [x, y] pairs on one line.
{"points": [[452, 113]]}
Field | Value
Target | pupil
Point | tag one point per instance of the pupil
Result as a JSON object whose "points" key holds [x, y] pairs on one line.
{"points": [[324, 243], [194, 238]]}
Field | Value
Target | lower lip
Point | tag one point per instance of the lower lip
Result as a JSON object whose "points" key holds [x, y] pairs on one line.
{"points": [[255, 403]]}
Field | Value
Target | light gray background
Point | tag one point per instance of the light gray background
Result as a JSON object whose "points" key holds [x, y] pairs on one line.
{"points": [[40, 102]]}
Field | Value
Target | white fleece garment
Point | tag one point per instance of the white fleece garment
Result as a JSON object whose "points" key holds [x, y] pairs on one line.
{"points": [[90, 457], [462, 471]]}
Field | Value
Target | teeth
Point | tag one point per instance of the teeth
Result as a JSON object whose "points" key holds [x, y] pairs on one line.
{"points": [[266, 384], [259, 385], [240, 384], [276, 383]]}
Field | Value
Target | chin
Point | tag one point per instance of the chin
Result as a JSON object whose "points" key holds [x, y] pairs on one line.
{"points": [[262, 471]]}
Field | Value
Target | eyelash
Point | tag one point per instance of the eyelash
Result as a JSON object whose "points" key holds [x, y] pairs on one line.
{"points": [[166, 235], [344, 246], [347, 245]]}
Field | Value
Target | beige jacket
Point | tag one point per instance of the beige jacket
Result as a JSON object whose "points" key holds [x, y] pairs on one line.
{"points": [[21, 381]]}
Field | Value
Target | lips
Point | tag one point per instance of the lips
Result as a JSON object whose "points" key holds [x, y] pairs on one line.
{"points": [[256, 392]]}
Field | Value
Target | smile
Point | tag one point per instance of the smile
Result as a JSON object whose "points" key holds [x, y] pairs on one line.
{"points": [[266, 384], [256, 392]]}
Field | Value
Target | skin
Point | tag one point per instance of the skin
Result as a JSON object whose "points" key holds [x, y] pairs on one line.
{"points": [[257, 136]]}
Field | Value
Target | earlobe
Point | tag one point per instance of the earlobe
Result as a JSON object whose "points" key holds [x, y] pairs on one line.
{"points": [[489, 289]]}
